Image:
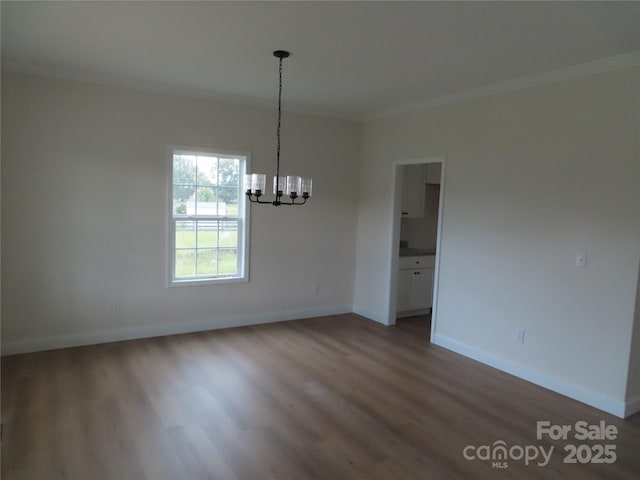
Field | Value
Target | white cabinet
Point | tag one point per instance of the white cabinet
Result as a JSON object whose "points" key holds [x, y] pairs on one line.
{"points": [[413, 181], [415, 283], [416, 262], [415, 289], [405, 278]]}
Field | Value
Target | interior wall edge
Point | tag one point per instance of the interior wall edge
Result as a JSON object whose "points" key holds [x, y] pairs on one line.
{"points": [[370, 314], [632, 406]]}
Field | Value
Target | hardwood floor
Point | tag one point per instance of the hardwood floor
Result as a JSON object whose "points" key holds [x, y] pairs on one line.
{"points": [[327, 398]]}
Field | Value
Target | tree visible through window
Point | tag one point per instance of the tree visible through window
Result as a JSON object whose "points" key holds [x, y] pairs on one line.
{"points": [[207, 216]]}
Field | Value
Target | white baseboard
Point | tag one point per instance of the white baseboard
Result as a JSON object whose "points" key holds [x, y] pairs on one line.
{"points": [[131, 333], [558, 385], [370, 314], [632, 406]]}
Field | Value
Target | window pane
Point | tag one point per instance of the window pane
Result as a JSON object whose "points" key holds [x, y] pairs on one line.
{"points": [[184, 169], [207, 170], [207, 234], [185, 263], [182, 196], [185, 235], [179, 207], [228, 261], [232, 209], [229, 171], [228, 234], [207, 262], [206, 201], [228, 201]]}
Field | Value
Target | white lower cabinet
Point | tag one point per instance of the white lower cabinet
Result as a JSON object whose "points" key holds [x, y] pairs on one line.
{"points": [[415, 285], [405, 278]]}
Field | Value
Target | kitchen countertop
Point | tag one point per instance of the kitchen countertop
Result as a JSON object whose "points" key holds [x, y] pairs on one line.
{"points": [[415, 252]]}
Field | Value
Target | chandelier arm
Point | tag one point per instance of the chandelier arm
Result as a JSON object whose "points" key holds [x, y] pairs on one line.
{"points": [[257, 200], [293, 202], [277, 202]]}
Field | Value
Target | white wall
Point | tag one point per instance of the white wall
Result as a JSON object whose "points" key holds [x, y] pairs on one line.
{"points": [[633, 381], [83, 213], [532, 178]]}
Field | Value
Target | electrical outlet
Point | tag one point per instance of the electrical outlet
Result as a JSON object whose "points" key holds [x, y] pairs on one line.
{"points": [[315, 288], [113, 306], [520, 335], [581, 260]]}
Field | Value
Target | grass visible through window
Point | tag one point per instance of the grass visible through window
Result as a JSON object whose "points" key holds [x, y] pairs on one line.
{"points": [[216, 253]]}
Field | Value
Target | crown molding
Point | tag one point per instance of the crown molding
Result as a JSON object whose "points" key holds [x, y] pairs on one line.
{"points": [[617, 62]]}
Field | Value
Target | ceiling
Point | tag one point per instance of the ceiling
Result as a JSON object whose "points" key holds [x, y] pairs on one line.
{"points": [[348, 58]]}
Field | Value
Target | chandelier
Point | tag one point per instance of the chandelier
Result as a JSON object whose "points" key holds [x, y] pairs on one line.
{"points": [[292, 186]]}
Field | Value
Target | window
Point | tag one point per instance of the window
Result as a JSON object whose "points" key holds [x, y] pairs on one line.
{"points": [[208, 219]]}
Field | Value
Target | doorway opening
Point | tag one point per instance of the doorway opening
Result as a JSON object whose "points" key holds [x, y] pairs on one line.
{"points": [[415, 243]]}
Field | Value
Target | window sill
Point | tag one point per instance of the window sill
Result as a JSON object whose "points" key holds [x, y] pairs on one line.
{"points": [[206, 281]]}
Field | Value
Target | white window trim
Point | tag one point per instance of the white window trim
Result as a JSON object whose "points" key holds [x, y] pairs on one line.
{"points": [[243, 232]]}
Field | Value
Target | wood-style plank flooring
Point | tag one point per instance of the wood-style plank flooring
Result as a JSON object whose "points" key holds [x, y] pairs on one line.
{"points": [[326, 398]]}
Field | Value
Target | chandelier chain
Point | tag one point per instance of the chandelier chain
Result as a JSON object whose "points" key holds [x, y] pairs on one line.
{"points": [[279, 122]]}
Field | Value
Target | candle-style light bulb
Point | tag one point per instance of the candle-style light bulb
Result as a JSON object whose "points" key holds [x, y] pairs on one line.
{"points": [[306, 187], [293, 186], [258, 182], [279, 185]]}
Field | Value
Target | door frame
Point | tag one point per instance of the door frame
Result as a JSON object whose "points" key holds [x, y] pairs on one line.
{"points": [[394, 247]]}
